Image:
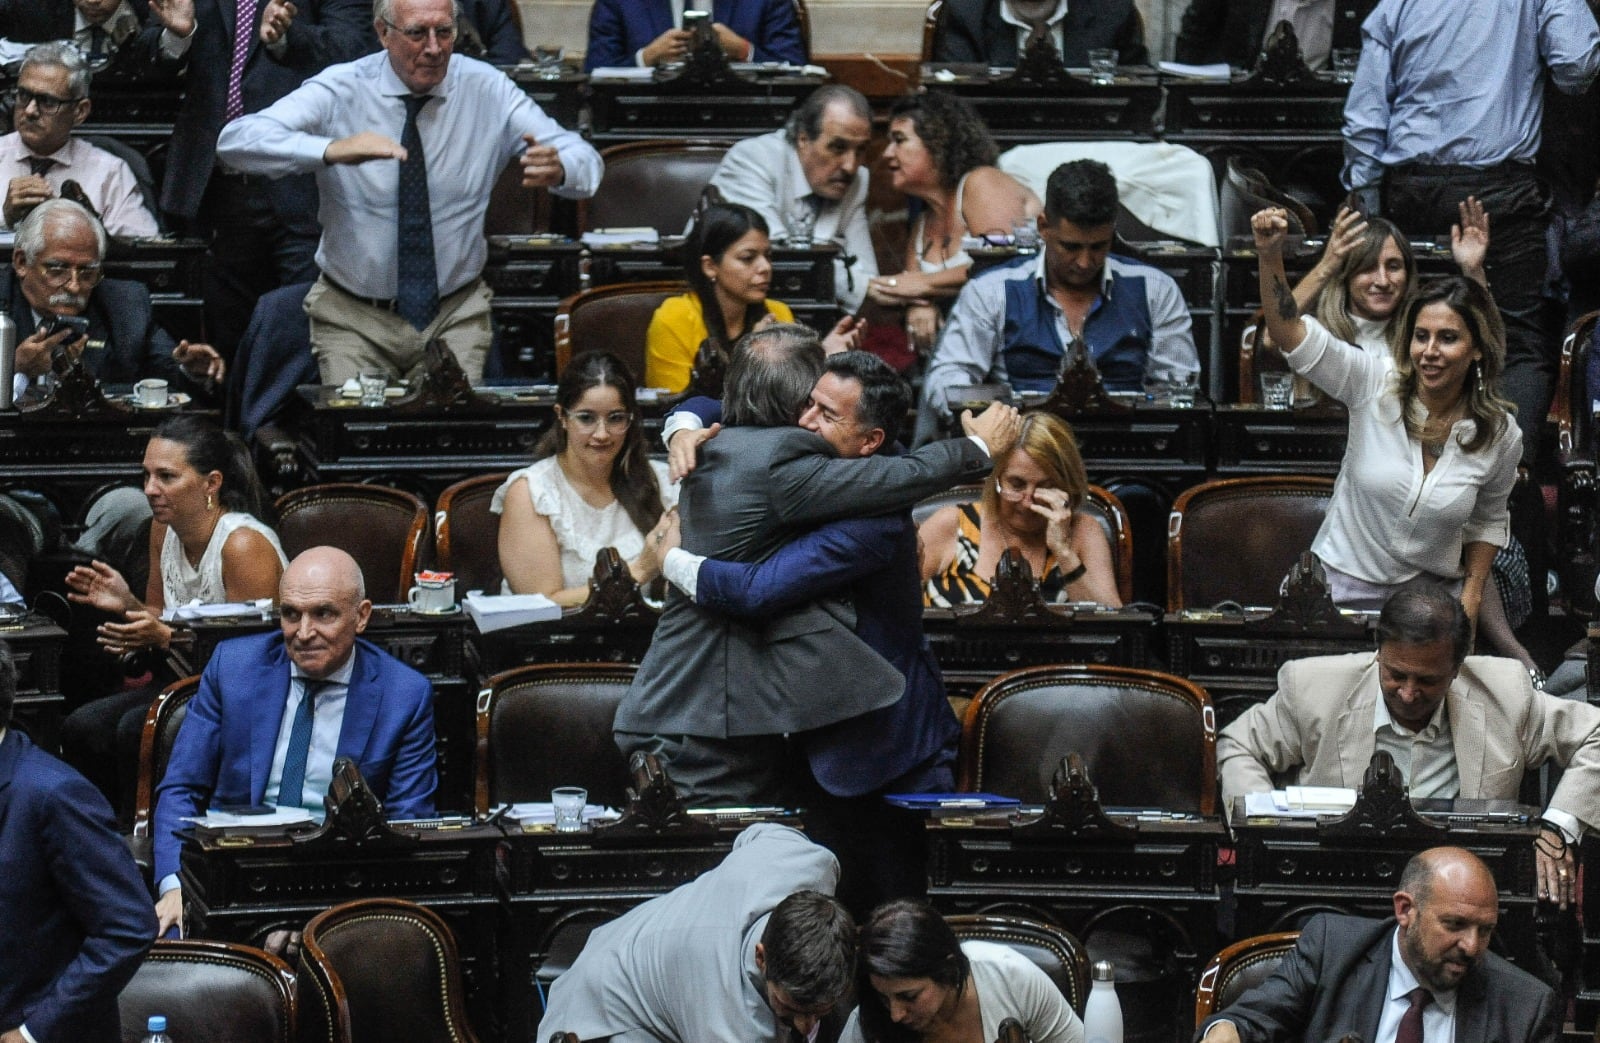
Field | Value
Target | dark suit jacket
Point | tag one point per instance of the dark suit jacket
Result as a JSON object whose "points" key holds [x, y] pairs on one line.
{"points": [[36, 21], [755, 489], [1232, 30], [323, 33], [223, 754], [1335, 980], [973, 31], [619, 28], [125, 344], [501, 39], [75, 916]]}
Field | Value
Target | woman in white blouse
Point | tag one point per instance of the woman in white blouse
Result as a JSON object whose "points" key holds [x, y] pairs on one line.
{"points": [[1432, 453], [917, 982], [591, 486]]}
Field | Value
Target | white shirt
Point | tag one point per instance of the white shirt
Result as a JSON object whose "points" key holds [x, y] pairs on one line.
{"points": [[1024, 30], [469, 135], [327, 719], [1388, 521], [1426, 758], [106, 180], [1438, 1017]]}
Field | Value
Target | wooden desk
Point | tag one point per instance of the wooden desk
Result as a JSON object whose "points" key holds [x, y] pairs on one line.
{"points": [[1076, 109], [741, 106], [68, 459], [434, 646], [561, 97], [1251, 440], [530, 275], [971, 654], [36, 643]]}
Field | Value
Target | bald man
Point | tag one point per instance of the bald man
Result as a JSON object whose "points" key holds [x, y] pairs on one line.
{"points": [[275, 710], [1425, 976]]}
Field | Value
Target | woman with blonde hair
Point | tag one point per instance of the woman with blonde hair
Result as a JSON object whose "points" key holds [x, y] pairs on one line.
{"points": [[1031, 503]]}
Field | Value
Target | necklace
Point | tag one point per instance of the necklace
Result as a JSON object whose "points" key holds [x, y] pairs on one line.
{"points": [[1436, 430]]}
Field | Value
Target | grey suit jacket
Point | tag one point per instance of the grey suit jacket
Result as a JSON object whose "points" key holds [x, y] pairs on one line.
{"points": [[711, 675], [1319, 724], [1335, 980]]}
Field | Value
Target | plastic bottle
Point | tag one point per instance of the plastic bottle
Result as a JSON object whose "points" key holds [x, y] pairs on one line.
{"points": [[1102, 1015], [8, 358], [156, 1030]]}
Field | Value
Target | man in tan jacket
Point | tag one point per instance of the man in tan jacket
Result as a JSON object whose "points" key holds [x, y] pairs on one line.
{"points": [[1456, 726]]}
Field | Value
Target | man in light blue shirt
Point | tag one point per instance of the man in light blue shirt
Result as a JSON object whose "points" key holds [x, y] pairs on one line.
{"points": [[466, 121], [1447, 103]]}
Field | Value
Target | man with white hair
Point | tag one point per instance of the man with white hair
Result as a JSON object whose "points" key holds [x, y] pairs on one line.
{"points": [[57, 270]]}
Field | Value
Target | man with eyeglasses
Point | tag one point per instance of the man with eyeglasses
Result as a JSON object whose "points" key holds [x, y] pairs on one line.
{"points": [[238, 57], [1457, 726], [56, 270], [40, 155], [407, 146]]}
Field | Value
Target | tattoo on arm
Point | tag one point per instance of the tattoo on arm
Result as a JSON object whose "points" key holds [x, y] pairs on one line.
{"points": [[1287, 308]]}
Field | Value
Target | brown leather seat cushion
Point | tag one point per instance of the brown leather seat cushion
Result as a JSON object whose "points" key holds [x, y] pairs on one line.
{"points": [[557, 732], [210, 992], [1239, 547]]}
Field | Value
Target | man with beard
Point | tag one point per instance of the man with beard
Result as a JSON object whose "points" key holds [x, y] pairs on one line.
{"points": [[1425, 976], [1013, 324]]}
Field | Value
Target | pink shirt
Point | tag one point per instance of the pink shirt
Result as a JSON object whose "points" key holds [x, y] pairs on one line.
{"points": [[105, 179]]}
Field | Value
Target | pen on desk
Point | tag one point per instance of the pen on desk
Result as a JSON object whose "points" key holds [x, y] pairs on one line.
{"points": [[968, 803]]}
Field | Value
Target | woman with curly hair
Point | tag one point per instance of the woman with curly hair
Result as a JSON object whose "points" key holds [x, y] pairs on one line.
{"points": [[942, 156]]}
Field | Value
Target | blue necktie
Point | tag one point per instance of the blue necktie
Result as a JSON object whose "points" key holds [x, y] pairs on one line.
{"points": [[293, 783], [417, 289]]}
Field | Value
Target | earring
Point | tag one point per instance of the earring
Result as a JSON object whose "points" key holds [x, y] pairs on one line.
{"points": [[209, 503], [1477, 371]]}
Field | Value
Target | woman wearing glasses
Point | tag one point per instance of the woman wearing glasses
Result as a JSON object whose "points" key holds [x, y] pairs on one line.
{"points": [[1030, 504], [590, 487]]}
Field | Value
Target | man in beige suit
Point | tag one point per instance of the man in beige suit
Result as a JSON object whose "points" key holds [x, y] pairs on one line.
{"points": [[1456, 726]]}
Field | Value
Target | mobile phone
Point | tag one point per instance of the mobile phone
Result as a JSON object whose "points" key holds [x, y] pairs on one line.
{"points": [[693, 19], [78, 324]]}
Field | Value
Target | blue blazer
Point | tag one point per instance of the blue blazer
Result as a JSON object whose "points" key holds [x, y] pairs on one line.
{"points": [[125, 343], [74, 913], [908, 746], [619, 28], [224, 750]]}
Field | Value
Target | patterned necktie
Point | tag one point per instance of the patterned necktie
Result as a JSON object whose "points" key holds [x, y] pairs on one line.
{"points": [[1410, 1030], [97, 43], [804, 218], [244, 29], [291, 787], [417, 286], [40, 164]]}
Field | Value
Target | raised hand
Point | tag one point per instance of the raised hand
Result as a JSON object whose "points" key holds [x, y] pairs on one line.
{"points": [[275, 20], [364, 147], [1271, 229], [997, 427], [670, 46], [200, 361], [845, 335], [1469, 239], [683, 452], [177, 15], [541, 165], [102, 586]]}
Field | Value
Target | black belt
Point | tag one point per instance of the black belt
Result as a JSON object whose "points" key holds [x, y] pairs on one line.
{"points": [[380, 303], [1510, 168]]}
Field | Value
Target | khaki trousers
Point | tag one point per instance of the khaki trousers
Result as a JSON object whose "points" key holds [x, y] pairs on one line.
{"points": [[349, 335]]}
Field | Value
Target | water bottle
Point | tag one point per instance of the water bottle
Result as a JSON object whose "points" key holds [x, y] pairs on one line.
{"points": [[1102, 1015], [8, 358], [156, 1030]]}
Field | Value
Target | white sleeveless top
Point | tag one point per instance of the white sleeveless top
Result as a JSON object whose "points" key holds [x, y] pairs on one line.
{"points": [[959, 259], [182, 584], [581, 530]]}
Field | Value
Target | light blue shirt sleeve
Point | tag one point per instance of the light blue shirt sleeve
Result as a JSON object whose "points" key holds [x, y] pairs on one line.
{"points": [[968, 351]]}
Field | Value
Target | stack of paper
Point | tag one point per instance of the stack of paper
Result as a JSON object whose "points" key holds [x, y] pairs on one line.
{"points": [[620, 236], [537, 814], [260, 609], [1219, 71], [498, 611], [277, 817], [1300, 802]]}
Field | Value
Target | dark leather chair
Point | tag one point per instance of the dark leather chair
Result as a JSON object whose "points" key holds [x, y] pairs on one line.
{"points": [[611, 318], [512, 209], [382, 528], [138, 163], [930, 29], [1235, 539], [1246, 190], [803, 17], [1020, 725], [1237, 969], [1052, 949], [161, 725], [1101, 504], [655, 184], [466, 534], [211, 992], [549, 725], [378, 970]]}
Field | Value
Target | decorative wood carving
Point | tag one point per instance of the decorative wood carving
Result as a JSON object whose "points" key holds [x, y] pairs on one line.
{"points": [[1306, 603], [355, 816], [1073, 808], [1383, 809], [444, 386], [1079, 386], [1014, 599], [1281, 64], [614, 597], [654, 808]]}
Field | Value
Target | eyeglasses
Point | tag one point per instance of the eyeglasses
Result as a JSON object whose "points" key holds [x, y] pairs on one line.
{"points": [[19, 98], [59, 273], [418, 34], [615, 422], [1015, 493]]}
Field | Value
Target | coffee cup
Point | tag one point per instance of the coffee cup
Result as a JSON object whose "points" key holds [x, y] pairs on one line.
{"points": [[433, 595], [150, 393]]}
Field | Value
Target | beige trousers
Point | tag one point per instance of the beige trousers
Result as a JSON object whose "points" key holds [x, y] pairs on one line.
{"points": [[349, 335]]}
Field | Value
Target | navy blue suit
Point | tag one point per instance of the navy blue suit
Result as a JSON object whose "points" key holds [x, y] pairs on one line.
{"points": [[618, 29], [224, 750], [75, 917], [501, 39], [124, 342]]}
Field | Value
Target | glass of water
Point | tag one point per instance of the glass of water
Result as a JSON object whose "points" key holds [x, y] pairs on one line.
{"points": [[1344, 61], [1277, 389], [547, 60], [1103, 65], [569, 802], [374, 382]]}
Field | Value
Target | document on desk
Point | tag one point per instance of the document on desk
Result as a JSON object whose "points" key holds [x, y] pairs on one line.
{"points": [[1218, 71], [1299, 802], [498, 611], [276, 818]]}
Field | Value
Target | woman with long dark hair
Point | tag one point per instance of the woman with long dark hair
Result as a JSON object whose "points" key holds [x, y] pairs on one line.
{"points": [[590, 486], [915, 982]]}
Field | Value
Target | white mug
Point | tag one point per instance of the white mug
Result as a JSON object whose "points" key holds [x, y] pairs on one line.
{"points": [[150, 392], [433, 595]]}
